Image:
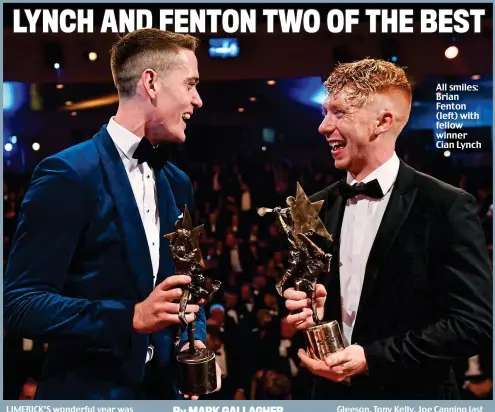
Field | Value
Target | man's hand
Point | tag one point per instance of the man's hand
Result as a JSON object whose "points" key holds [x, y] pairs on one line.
{"points": [[157, 311], [320, 368], [201, 345], [338, 366], [299, 300]]}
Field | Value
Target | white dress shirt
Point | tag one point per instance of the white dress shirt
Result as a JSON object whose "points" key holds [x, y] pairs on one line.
{"points": [[283, 348], [235, 260], [221, 360], [142, 179], [233, 314], [362, 218]]}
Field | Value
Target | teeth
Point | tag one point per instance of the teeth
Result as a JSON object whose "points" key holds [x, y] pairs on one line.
{"points": [[186, 116], [336, 145]]}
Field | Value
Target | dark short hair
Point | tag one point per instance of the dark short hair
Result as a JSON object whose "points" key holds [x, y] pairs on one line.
{"points": [[145, 49], [214, 331]]}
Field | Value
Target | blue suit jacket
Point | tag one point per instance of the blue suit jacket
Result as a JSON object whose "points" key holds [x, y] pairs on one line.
{"points": [[80, 262]]}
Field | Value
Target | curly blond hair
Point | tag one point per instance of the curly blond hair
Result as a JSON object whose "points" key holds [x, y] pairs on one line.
{"points": [[363, 78]]}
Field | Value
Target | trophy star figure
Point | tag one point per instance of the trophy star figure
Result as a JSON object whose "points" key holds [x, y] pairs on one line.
{"points": [[184, 230], [306, 214], [300, 221]]}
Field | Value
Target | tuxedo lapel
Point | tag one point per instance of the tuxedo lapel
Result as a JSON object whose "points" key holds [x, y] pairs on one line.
{"points": [[130, 223], [399, 205], [334, 213], [168, 216]]}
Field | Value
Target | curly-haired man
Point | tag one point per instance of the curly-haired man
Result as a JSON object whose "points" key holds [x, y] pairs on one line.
{"points": [[410, 283]]}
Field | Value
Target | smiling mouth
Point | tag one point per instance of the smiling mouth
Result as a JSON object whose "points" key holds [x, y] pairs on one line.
{"points": [[186, 116], [340, 144]]}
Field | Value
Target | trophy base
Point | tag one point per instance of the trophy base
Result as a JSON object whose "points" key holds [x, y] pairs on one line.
{"points": [[197, 370], [324, 339]]}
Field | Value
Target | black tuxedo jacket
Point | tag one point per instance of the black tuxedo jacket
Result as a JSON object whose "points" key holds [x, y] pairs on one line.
{"points": [[427, 293]]}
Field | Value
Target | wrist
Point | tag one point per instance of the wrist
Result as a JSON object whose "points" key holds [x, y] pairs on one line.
{"points": [[365, 370], [137, 322]]}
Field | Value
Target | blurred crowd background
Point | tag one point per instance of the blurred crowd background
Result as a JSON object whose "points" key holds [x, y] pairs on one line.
{"points": [[247, 327], [253, 140]]}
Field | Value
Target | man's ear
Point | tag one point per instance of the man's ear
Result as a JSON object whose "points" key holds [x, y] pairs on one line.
{"points": [[149, 80], [384, 122]]}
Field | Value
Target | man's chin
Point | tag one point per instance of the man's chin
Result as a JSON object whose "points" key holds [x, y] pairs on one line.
{"points": [[340, 164], [180, 139], [177, 138]]}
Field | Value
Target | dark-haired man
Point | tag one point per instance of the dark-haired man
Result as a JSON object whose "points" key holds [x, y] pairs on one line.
{"points": [[90, 271]]}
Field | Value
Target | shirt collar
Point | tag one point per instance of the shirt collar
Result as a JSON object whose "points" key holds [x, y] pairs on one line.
{"points": [[125, 140], [385, 174]]}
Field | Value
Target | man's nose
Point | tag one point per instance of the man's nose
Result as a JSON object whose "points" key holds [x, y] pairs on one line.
{"points": [[197, 102], [327, 126]]}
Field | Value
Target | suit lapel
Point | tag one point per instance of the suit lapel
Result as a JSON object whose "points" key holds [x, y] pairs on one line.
{"points": [[168, 215], [131, 225], [334, 213], [399, 205]]}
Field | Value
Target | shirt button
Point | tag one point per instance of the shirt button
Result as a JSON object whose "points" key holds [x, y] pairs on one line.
{"points": [[148, 176], [148, 211], [153, 243]]}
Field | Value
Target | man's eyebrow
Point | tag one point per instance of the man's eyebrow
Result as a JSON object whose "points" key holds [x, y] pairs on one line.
{"points": [[338, 105]]}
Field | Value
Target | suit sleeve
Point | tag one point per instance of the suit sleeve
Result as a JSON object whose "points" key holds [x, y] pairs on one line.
{"points": [[51, 223], [321, 195], [200, 324], [462, 282]]}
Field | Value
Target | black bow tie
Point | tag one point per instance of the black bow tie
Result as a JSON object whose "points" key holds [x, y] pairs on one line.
{"points": [[370, 189], [155, 156]]}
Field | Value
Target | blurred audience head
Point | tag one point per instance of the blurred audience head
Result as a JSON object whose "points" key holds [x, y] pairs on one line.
{"points": [[246, 292], [264, 317], [217, 314], [231, 299], [274, 232], [231, 241], [275, 386], [259, 281], [28, 390], [213, 338]]}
